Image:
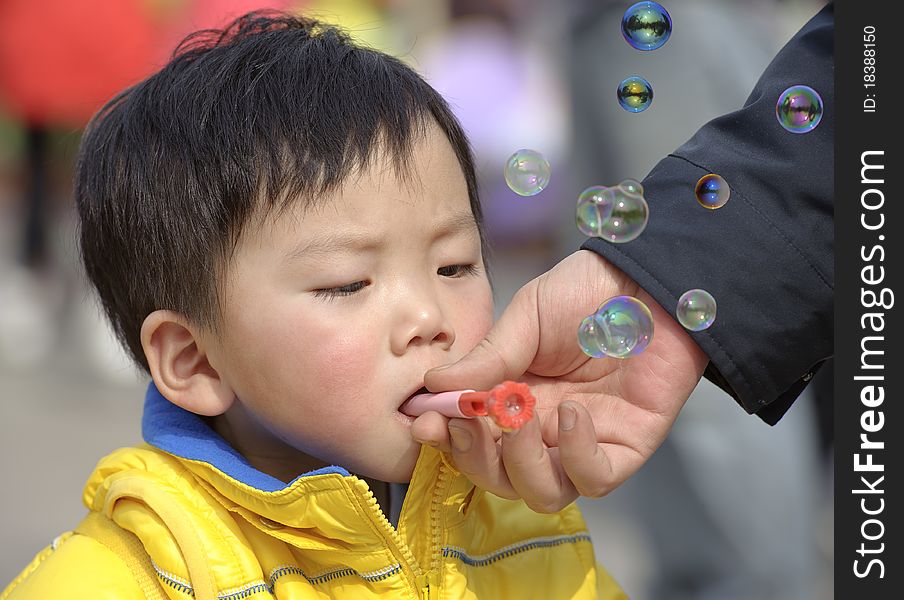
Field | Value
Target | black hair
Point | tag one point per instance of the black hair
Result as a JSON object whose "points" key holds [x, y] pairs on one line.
{"points": [[272, 109]]}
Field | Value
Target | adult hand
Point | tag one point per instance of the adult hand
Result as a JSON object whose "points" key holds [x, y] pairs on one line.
{"points": [[597, 421]]}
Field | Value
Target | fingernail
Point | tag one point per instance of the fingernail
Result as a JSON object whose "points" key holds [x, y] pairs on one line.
{"points": [[461, 438], [567, 417]]}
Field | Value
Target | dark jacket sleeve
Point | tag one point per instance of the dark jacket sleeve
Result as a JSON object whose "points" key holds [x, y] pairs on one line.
{"points": [[767, 255]]}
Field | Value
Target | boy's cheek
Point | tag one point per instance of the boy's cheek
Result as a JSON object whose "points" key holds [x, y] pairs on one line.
{"points": [[343, 364], [476, 322]]}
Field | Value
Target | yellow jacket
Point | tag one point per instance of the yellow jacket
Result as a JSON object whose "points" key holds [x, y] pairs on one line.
{"points": [[167, 524]]}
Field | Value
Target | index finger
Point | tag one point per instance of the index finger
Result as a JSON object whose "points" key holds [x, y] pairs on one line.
{"points": [[505, 353], [584, 460], [535, 471]]}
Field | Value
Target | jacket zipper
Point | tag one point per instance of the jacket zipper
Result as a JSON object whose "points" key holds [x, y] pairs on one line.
{"points": [[429, 582], [393, 535], [426, 583], [436, 506]]}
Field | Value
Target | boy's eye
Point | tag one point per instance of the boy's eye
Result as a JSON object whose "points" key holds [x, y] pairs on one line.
{"points": [[352, 288], [345, 290], [457, 270]]}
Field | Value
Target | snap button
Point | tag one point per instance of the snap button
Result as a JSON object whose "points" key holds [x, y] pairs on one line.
{"points": [[270, 523], [808, 376]]}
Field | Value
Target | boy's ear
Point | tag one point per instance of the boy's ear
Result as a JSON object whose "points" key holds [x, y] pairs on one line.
{"points": [[180, 367]]}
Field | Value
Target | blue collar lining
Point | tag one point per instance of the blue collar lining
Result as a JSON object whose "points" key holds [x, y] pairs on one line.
{"points": [[184, 434]]}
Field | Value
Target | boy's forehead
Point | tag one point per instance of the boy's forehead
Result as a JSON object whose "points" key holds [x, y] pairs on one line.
{"points": [[318, 241], [429, 162], [429, 168], [428, 186]]}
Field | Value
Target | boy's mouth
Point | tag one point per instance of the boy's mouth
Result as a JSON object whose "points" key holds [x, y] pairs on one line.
{"points": [[420, 390]]}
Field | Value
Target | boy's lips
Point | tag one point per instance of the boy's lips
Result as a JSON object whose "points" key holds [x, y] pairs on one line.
{"points": [[401, 408], [420, 390], [400, 413]]}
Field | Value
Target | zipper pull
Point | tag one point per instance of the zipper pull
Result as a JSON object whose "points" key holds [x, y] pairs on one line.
{"points": [[428, 584]]}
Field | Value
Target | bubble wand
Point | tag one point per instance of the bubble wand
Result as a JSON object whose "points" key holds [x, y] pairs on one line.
{"points": [[510, 404]]}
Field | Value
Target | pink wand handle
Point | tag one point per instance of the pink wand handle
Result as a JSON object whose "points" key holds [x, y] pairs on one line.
{"points": [[510, 404], [445, 403]]}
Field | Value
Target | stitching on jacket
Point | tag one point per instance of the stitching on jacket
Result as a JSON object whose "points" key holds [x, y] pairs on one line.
{"points": [[246, 591], [284, 570], [371, 576], [177, 583], [482, 560], [249, 589]]}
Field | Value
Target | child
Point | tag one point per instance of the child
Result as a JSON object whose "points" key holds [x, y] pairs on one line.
{"points": [[285, 233]]}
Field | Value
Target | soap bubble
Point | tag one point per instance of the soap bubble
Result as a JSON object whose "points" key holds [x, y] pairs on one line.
{"points": [[621, 327], [646, 25], [589, 336], [799, 109], [594, 208], [635, 94], [631, 186], [626, 324], [696, 310], [527, 172], [712, 191], [630, 213]]}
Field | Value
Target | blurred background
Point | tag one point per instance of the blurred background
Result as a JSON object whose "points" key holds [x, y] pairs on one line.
{"points": [[729, 508]]}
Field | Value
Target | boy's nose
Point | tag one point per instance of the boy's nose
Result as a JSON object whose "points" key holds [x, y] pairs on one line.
{"points": [[421, 326]]}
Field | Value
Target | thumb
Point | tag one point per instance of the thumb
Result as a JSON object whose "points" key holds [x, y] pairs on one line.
{"points": [[505, 353]]}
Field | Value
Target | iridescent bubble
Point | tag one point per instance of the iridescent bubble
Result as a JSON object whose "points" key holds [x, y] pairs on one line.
{"points": [[628, 219], [527, 172], [623, 326], [635, 94], [696, 310], [712, 191], [631, 186], [646, 25], [589, 336], [594, 208], [799, 109]]}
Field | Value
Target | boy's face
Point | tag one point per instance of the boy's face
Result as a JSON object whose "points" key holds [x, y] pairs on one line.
{"points": [[333, 314]]}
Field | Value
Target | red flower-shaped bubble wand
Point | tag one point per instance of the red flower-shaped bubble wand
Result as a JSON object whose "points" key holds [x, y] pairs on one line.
{"points": [[510, 404]]}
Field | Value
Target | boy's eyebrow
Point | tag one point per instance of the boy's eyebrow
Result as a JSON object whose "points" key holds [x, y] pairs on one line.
{"points": [[328, 243]]}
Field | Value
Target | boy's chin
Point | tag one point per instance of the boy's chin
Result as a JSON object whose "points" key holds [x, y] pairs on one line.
{"points": [[399, 472]]}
